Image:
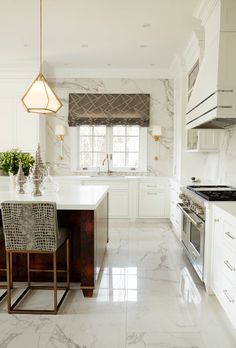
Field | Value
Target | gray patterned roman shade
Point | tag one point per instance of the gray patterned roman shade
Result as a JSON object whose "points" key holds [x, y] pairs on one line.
{"points": [[108, 109]]}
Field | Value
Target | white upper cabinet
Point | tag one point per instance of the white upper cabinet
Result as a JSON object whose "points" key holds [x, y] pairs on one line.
{"points": [[19, 129], [204, 140], [7, 128]]}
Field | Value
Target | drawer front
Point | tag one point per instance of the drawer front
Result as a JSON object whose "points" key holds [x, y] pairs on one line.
{"points": [[229, 265], [152, 186], [229, 236], [226, 294], [153, 204]]}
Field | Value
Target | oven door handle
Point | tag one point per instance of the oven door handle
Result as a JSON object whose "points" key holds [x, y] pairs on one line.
{"points": [[195, 223]]}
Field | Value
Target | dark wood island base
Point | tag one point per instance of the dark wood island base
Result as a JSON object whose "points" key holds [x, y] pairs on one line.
{"points": [[88, 242]]}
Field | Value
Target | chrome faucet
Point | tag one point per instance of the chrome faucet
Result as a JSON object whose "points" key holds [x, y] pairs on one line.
{"points": [[106, 159]]}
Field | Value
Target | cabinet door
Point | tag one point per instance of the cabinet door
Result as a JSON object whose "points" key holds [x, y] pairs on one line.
{"points": [[27, 130], [7, 121], [153, 204], [192, 140], [208, 140], [118, 203]]}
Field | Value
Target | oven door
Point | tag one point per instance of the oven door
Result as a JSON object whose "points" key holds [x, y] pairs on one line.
{"points": [[196, 246], [193, 234], [185, 225]]}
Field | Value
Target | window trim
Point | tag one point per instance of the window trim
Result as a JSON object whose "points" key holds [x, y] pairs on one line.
{"points": [[74, 143]]}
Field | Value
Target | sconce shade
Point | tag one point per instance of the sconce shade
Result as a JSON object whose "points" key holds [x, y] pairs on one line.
{"points": [[60, 130], [40, 98], [156, 131]]}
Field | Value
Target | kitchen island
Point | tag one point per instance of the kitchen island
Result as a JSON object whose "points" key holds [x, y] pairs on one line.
{"points": [[84, 211]]}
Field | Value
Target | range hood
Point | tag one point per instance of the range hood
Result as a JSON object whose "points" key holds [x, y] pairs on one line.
{"points": [[213, 100]]}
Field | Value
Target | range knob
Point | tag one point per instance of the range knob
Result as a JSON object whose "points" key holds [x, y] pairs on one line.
{"points": [[182, 196], [200, 211]]}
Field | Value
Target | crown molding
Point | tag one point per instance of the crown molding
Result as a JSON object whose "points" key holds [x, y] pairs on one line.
{"points": [[110, 73], [30, 69], [204, 10]]}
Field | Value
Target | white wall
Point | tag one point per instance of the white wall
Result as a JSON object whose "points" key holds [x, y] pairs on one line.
{"points": [[161, 92]]}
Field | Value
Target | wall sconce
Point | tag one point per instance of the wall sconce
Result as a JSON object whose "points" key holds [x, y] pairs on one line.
{"points": [[156, 133], [60, 132]]}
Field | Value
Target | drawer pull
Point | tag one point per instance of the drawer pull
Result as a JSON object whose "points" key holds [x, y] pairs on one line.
{"points": [[216, 220], [226, 262], [229, 235], [229, 298]]}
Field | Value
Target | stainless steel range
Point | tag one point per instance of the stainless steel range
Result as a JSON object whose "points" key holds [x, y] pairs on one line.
{"points": [[193, 230], [193, 219]]}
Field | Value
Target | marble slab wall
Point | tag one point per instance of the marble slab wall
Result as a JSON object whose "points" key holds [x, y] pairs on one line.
{"points": [[220, 167], [161, 113]]}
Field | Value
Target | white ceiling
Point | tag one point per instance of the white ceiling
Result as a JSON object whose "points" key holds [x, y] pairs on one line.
{"points": [[113, 31]]}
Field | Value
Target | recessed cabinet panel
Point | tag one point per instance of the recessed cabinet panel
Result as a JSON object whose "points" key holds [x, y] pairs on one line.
{"points": [[18, 128], [27, 130], [153, 203], [204, 140], [7, 129], [118, 204]]}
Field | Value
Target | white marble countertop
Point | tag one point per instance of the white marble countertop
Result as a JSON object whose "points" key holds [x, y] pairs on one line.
{"points": [[78, 178], [71, 197], [228, 207]]}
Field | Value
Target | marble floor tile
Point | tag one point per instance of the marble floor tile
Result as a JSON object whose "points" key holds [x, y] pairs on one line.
{"points": [[147, 295]]}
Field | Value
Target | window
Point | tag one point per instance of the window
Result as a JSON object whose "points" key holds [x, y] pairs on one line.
{"points": [[124, 146], [92, 146]]}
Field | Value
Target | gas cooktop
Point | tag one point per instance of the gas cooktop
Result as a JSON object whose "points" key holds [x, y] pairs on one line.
{"points": [[215, 193]]}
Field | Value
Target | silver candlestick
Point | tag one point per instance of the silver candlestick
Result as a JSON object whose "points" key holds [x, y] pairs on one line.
{"points": [[41, 165], [36, 177], [20, 180]]}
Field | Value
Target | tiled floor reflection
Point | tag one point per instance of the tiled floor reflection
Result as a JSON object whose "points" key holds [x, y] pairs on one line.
{"points": [[147, 296]]}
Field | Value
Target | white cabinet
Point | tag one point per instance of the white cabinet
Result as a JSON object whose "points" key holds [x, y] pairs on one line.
{"points": [[119, 203], [136, 198], [118, 196], [224, 261], [19, 129], [153, 200], [202, 140]]}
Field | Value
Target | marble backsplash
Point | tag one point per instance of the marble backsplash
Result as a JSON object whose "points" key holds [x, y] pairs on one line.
{"points": [[161, 113], [220, 167]]}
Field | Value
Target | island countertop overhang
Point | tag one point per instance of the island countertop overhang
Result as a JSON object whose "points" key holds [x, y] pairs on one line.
{"points": [[70, 197]]}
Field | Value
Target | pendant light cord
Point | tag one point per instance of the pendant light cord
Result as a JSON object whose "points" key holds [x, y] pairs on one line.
{"points": [[41, 37]]}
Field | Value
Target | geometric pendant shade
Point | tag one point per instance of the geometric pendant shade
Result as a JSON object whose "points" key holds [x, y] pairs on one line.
{"points": [[40, 98]]}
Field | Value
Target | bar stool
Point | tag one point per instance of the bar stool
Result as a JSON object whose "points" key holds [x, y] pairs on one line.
{"points": [[32, 228], [2, 269]]}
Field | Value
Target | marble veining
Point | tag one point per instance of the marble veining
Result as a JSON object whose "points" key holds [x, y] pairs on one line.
{"points": [[147, 296], [161, 113], [220, 167]]}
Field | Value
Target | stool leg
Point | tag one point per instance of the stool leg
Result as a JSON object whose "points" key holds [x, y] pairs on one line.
{"points": [[9, 271], [28, 269], [68, 262], [11, 276], [55, 280]]}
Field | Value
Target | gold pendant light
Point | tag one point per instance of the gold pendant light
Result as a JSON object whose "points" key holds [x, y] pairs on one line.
{"points": [[40, 98]]}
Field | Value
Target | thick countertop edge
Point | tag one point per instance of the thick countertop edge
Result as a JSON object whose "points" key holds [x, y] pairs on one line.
{"points": [[229, 207], [66, 205]]}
